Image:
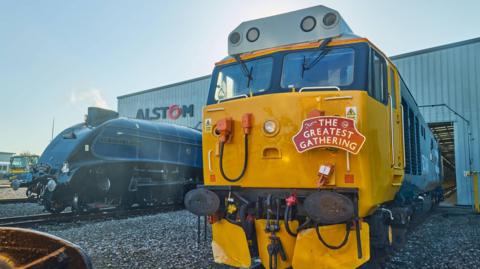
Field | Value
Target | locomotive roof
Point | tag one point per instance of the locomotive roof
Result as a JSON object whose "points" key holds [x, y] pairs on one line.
{"points": [[284, 32], [305, 25], [305, 45], [73, 138]]}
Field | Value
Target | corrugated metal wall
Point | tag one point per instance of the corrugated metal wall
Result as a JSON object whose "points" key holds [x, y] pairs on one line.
{"points": [[153, 103], [449, 75], [5, 156]]}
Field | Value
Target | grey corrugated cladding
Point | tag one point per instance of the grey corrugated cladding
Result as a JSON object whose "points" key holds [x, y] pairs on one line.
{"points": [[5, 156], [449, 75], [188, 92]]}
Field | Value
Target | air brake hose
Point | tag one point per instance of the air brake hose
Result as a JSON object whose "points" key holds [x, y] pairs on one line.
{"points": [[222, 144], [345, 240], [286, 219]]}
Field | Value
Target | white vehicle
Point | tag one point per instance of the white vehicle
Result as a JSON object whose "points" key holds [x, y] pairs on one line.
{"points": [[4, 168]]}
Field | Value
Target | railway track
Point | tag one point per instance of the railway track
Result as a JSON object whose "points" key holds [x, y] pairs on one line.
{"points": [[110, 213], [447, 192], [16, 201]]}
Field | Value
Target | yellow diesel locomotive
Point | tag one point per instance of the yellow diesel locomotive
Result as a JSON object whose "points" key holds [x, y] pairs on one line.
{"points": [[315, 154]]}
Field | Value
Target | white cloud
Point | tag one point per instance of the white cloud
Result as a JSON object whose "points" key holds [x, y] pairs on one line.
{"points": [[90, 97]]}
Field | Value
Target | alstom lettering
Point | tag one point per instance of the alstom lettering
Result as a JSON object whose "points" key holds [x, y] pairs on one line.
{"points": [[172, 112]]}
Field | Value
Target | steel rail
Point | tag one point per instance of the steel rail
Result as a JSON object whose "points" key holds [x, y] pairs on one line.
{"points": [[16, 201], [110, 213]]}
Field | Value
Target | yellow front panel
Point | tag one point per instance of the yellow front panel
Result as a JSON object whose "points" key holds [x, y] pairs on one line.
{"points": [[274, 161], [263, 240], [311, 253], [229, 244], [17, 171]]}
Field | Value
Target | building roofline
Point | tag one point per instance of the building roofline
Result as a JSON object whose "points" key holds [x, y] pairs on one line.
{"points": [[164, 87], [437, 48], [393, 58]]}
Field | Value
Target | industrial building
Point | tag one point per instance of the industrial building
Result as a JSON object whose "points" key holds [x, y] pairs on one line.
{"points": [[4, 162], [180, 103], [5, 156], [444, 80]]}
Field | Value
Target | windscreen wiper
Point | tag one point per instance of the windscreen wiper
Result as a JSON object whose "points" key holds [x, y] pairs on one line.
{"points": [[317, 59], [246, 72]]}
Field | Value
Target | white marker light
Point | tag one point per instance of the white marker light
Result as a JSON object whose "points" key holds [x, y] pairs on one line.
{"points": [[51, 185], [270, 127], [65, 168]]}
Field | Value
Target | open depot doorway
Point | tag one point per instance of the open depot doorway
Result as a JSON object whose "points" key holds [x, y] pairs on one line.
{"points": [[444, 133]]}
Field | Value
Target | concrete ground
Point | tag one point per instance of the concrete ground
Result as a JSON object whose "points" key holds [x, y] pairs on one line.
{"points": [[9, 193]]}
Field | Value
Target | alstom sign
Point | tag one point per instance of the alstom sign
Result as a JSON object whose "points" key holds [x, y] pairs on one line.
{"points": [[172, 112]]}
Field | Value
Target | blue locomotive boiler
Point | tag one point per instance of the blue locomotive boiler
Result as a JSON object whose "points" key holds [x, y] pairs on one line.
{"points": [[111, 161]]}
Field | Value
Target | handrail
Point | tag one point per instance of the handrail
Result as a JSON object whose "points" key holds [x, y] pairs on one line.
{"points": [[210, 161], [392, 134], [403, 140], [319, 88], [338, 97], [233, 97]]}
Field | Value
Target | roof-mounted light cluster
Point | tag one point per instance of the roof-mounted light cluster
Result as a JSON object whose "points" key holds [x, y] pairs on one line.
{"points": [[304, 25]]}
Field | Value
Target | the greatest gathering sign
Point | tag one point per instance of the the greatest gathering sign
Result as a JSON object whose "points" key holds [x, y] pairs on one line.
{"points": [[171, 112], [329, 131]]}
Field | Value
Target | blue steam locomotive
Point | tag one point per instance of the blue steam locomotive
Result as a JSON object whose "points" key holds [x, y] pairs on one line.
{"points": [[111, 161]]}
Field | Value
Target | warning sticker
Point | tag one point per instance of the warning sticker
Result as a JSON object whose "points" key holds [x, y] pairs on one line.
{"points": [[351, 113], [208, 125]]}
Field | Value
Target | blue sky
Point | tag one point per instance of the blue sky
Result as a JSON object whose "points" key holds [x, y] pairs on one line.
{"points": [[59, 57]]}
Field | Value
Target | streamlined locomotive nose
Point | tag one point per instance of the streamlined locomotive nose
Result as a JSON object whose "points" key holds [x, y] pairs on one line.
{"points": [[202, 202]]}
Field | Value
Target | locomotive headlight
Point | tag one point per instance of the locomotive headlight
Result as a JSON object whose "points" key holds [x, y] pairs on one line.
{"points": [[270, 127], [253, 34], [235, 38], [308, 23], [65, 168], [330, 19], [51, 185]]}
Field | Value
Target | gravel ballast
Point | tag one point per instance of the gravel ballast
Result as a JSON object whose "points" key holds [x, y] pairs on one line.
{"points": [[17, 209], [166, 240], [20, 209], [448, 238]]}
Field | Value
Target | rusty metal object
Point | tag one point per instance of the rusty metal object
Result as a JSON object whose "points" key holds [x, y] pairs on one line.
{"points": [[22, 248]]}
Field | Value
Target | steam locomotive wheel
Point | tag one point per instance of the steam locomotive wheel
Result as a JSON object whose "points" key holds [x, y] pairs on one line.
{"points": [[77, 205], [55, 208], [126, 201]]}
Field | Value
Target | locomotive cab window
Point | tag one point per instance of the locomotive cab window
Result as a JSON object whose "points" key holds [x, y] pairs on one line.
{"points": [[235, 80], [378, 78], [329, 67]]}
